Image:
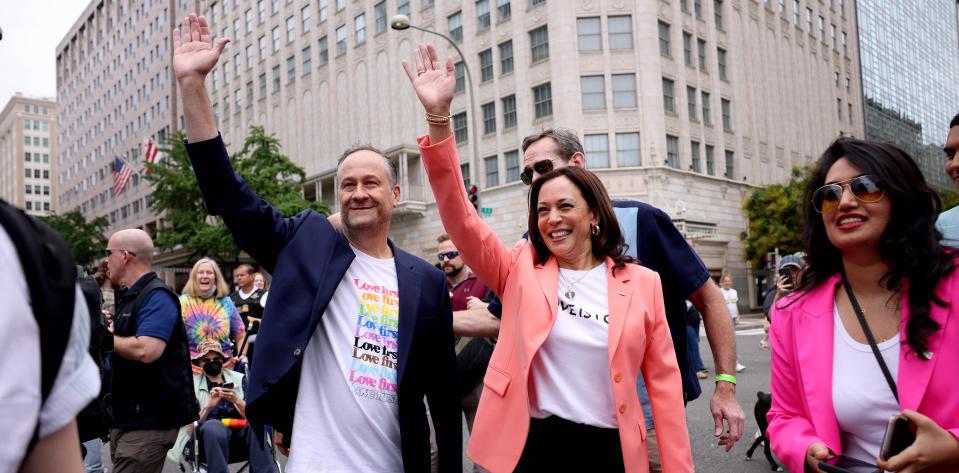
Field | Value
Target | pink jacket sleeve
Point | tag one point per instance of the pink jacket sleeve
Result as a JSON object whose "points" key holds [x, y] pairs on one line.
{"points": [[790, 429], [481, 249]]}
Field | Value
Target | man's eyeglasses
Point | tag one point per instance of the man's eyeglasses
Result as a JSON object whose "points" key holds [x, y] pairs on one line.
{"points": [[110, 251], [866, 188], [540, 167], [447, 255]]}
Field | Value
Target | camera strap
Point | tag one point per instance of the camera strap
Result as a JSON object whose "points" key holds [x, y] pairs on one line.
{"points": [[872, 340]]}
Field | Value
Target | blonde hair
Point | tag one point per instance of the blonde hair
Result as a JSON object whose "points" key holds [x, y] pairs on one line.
{"points": [[193, 289], [266, 282]]}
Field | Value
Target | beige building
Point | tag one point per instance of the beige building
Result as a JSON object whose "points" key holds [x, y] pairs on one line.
{"points": [[28, 130], [685, 104]]}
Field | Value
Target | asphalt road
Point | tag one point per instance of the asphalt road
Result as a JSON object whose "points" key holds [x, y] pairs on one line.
{"points": [[707, 456]]}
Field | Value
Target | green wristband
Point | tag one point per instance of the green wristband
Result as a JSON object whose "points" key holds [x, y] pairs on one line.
{"points": [[726, 377]]}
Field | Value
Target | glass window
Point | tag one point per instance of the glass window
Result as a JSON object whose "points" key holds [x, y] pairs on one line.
{"points": [[249, 93], [822, 29], [486, 65], [459, 128], [305, 18], [324, 51], [46, 159], [594, 92], [730, 168], [379, 13], [502, 9], [236, 65], [539, 43], [491, 165], [728, 114], [262, 80], [28, 172], [276, 81], [236, 28], [702, 55], [509, 112], [360, 25], [261, 10], [512, 165], [707, 109], [835, 39], [307, 55], [698, 8], [290, 68], [506, 57], [620, 32], [669, 97], [465, 171], [691, 102], [249, 56], [290, 29], [718, 13], [459, 71], [248, 16], [721, 58], [624, 90], [809, 20], [324, 9], [482, 14], [542, 100], [589, 36], [694, 151], [455, 24], [687, 48], [664, 39], [672, 151], [797, 17], [26, 157], [274, 6], [26, 124], [627, 149], [489, 118], [340, 4], [710, 161], [237, 100], [597, 150], [276, 39], [845, 44], [262, 44], [340, 40], [403, 7]]}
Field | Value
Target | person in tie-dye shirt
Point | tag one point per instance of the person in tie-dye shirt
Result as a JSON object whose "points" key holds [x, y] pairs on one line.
{"points": [[208, 311]]}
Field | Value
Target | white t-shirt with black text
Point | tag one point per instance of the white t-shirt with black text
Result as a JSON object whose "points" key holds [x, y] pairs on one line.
{"points": [[570, 372], [347, 411]]}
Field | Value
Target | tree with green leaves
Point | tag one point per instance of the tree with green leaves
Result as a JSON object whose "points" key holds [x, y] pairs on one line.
{"points": [[177, 197], [86, 239], [775, 218]]}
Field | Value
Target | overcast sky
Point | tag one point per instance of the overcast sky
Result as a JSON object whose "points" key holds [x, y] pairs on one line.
{"points": [[31, 31]]}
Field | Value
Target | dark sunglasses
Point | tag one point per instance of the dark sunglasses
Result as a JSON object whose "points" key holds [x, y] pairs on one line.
{"points": [[866, 188], [447, 255], [110, 251], [540, 167]]}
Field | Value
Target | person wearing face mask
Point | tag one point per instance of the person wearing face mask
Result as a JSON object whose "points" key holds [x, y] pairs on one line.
{"points": [[220, 393], [209, 313]]}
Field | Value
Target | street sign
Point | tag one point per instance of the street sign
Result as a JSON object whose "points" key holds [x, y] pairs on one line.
{"points": [[486, 211]]}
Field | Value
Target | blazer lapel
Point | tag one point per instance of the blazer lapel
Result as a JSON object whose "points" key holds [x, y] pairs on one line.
{"points": [[619, 295], [814, 357], [548, 276], [915, 371], [408, 281]]}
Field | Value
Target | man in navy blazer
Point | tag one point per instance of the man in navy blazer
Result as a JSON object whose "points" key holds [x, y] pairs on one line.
{"points": [[356, 331]]}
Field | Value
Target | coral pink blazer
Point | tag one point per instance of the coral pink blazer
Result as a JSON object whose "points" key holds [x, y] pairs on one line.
{"points": [[638, 336], [801, 383]]}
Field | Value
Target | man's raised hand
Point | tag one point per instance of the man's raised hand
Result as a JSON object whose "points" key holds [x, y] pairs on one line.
{"points": [[193, 54]]}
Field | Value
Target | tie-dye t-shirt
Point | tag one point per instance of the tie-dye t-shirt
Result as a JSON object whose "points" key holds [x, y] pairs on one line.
{"points": [[211, 319]]}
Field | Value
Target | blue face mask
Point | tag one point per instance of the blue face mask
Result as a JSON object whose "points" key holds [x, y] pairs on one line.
{"points": [[209, 294]]}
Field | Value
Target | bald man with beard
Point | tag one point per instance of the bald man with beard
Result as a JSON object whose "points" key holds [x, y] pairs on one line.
{"points": [[152, 388]]}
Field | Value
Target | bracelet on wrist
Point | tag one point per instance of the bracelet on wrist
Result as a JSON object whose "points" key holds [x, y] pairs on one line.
{"points": [[435, 119], [726, 377]]}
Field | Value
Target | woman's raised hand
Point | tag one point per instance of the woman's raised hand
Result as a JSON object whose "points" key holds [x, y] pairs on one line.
{"points": [[434, 83]]}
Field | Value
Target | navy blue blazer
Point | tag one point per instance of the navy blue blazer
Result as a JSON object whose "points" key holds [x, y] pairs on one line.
{"points": [[307, 259]]}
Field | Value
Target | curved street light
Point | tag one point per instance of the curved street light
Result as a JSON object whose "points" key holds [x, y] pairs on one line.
{"points": [[402, 22]]}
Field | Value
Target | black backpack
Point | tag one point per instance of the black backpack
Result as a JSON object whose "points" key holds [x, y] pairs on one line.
{"points": [[47, 265], [95, 420]]}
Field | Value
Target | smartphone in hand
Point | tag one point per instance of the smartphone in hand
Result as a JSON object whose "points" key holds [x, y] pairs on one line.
{"points": [[227, 386], [900, 434], [844, 464]]}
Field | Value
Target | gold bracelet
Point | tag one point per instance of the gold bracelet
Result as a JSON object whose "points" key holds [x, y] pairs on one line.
{"points": [[433, 115], [438, 121]]}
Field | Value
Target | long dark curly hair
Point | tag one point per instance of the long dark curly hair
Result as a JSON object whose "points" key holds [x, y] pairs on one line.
{"points": [[910, 242], [609, 242]]}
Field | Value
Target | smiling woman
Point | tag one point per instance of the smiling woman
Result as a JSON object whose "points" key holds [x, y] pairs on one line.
{"points": [[209, 313]]}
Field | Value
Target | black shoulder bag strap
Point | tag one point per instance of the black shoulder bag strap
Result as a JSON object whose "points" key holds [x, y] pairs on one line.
{"points": [[872, 340]]}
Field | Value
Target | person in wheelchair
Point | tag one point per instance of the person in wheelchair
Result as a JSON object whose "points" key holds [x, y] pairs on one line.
{"points": [[223, 433]]}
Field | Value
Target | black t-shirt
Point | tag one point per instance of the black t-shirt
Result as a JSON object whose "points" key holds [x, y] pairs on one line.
{"points": [[249, 307]]}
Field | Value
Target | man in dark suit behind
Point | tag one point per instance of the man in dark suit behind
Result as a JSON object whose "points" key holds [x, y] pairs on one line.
{"points": [[366, 330]]}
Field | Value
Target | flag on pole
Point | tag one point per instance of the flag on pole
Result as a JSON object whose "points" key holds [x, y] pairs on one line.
{"points": [[121, 175], [151, 154]]}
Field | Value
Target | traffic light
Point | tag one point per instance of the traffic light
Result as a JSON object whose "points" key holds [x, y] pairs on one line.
{"points": [[473, 194]]}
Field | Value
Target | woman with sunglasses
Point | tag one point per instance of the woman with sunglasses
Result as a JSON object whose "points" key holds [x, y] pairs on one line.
{"points": [[872, 330], [579, 321], [208, 312]]}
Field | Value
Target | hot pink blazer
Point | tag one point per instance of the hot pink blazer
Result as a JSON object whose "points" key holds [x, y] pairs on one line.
{"points": [[801, 381], [638, 336]]}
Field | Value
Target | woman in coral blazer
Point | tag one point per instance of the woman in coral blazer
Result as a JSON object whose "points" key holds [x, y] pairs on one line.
{"points": [[869, 216], [560, 389]]}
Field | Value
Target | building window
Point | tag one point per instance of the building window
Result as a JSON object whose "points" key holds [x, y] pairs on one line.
{"points": [[459, 128], [261, 11], [276, 39], [710, 161], [730, 168], [403, 7], [226, 106], [691, 103], [482, 14], [593, 92], [718, 13], [262, 44], [324, 9], [276, 83], [237, 100], [459, 72], [307, 60], [503, 10], [379, 13], [249, 93], [509, 112], [664, 39], [236, 28], [809, 20], [506, 57], [290, 29], [455, 24], [620, 32], [305, 17], [512, 165], [597, 150], [491, 165], [687, 48], [542, 100], [291, 68], [248, 16], [539, 43], [324, 51], [489, 118], [486, 65], [721, 58], [797, 16], [669, 98], [822, 29], [838, 110], [359, 24], [340, 4], [702, 55], [26, 157], [274, 6], [672, 151], [624, 90], [627, 149], [341, 40], [845, 44], [694, 151], [727, 114], [589, 36], [707, 109], [263, 85], [237, 65], [698, 9], [249, 56]]}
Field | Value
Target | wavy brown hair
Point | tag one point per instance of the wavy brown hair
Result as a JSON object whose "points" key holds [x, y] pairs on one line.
{"points": [[610, 240]]}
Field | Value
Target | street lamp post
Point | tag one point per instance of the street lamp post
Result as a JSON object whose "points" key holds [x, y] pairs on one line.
{"points": [[402, 22]]}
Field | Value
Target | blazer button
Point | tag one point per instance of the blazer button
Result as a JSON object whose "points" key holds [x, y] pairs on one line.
{"points": [[617, 377], [622, 408], [297, 352]]}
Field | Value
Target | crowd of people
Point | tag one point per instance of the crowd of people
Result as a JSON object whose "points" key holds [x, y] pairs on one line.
{"points": [[575, 348]]}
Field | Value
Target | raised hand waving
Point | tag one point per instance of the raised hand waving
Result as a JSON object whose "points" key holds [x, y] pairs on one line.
{"points": [[434, 84], [193, 54]]}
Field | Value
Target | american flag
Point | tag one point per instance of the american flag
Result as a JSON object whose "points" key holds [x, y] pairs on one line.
{"points": [[151, 154], [121, 175]]}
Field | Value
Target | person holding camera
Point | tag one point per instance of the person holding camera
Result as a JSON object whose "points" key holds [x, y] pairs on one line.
{"points": [[788, 273]]}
